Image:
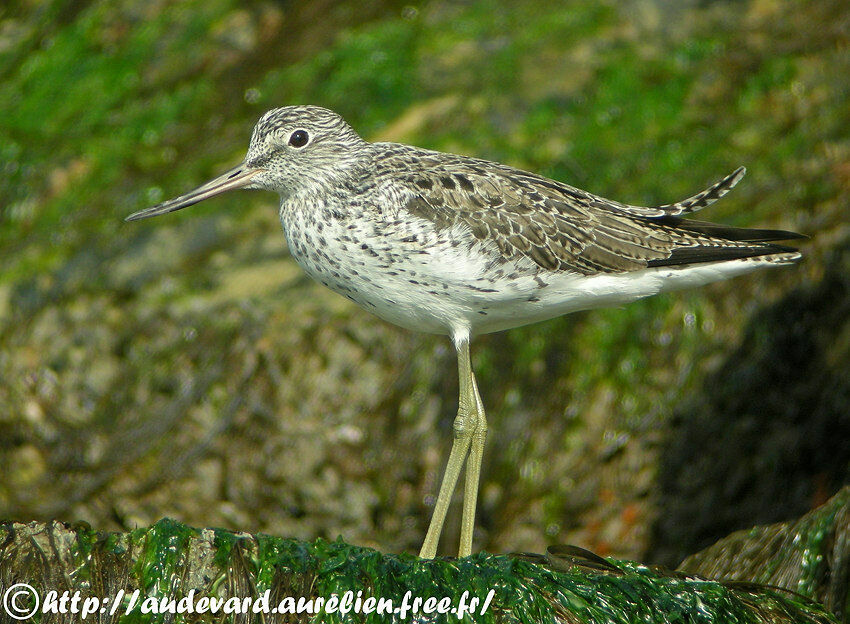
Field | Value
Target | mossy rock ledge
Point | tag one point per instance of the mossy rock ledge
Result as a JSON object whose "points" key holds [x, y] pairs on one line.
{"points": [[802, 561]]}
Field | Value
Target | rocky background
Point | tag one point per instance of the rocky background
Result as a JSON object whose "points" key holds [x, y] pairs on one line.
{"points": [[185, 367]]}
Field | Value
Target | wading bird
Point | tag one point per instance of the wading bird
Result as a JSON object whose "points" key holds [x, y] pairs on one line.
{"points": [[459, 246]]}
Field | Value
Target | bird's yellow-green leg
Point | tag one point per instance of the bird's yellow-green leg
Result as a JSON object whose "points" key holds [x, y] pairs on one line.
{"points": [[465, 426], [473, 470]]}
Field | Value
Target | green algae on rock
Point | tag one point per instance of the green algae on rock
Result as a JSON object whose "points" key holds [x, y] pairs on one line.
{"points": [[169, 562]]}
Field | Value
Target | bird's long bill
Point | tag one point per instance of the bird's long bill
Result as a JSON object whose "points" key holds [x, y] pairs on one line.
{"points": [[238, 177]]}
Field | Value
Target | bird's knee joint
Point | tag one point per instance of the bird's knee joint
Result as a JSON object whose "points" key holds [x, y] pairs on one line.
{"points": [[463, 425]]}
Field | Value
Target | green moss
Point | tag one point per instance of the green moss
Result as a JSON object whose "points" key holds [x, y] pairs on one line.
{"points": [[223, 542], [368, 76], [163, 549], [87, 540], [813, 546]]}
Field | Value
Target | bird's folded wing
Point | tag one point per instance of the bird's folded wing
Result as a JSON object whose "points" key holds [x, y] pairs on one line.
{"points": [[561, 228]]}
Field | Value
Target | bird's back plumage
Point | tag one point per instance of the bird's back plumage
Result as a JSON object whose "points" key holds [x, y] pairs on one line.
{"points": [[561, 228]]}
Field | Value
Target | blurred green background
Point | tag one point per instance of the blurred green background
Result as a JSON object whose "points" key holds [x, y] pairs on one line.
{"points": [[185, 367]]}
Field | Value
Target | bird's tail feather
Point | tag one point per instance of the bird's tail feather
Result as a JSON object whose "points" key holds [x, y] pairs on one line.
{"points": [[706, 197]]}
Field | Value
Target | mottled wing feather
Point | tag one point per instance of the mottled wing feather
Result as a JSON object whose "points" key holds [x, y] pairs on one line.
{"points": [[691, 204], [560, 227]]}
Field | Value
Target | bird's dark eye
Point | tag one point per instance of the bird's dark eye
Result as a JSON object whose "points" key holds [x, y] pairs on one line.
{"points": [[299, 138]]}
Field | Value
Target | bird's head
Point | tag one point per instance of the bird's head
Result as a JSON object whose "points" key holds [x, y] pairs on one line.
{"points": [[292, 148]]}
